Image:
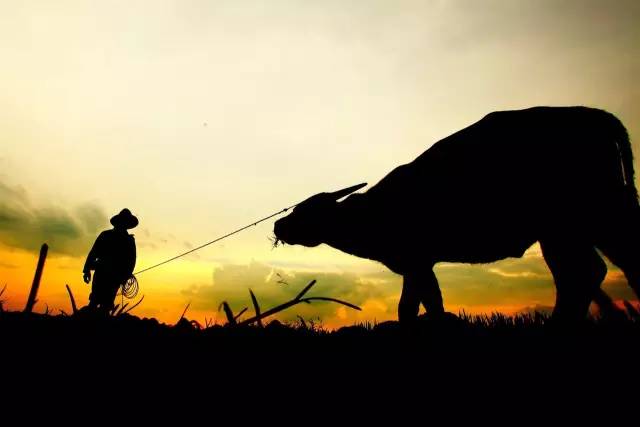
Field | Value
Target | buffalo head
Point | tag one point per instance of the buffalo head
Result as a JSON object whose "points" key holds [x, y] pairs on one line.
{"points": [[307, 224]]}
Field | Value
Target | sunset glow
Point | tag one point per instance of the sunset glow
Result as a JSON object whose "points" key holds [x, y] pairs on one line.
{"points": [[202, 117]]}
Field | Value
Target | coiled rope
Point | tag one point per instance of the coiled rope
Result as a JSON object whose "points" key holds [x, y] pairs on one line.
{"points": [[129, 289]]}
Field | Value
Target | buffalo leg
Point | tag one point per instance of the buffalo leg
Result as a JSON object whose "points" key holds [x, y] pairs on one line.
{"points": [[578, 271], [431, 296], [409, 299], [419, 288], [622, 247]]}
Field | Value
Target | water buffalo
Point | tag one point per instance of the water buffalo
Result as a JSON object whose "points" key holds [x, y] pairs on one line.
{"points": [[561, 176]]}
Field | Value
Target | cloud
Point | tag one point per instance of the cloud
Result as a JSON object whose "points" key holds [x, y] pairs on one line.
{"points": [[68, 232], [510, 282], [231, 283], [525, 282], [91, 217], [514, 285], [513, 282]]}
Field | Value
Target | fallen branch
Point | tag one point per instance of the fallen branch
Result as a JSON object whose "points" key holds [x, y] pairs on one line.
{"points": [[348, 304], [297, 300], [237, 316]]}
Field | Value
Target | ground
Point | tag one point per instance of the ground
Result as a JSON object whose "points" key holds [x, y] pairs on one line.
{"points": [[437, 362]]}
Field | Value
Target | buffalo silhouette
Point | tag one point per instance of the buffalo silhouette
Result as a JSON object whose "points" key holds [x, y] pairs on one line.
{"points": [[561, 176]]}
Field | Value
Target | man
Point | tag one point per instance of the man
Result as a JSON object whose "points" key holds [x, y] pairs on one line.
{"points": [[113, 257]]}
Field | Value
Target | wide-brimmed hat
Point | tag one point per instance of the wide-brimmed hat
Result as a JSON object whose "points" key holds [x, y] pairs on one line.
{"points": [[124, 219]]}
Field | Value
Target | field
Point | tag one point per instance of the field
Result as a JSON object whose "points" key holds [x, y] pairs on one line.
{"points": [[524, 334], [457, 361]]}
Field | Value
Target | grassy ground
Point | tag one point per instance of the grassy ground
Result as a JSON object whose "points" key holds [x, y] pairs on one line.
{"points": [[485, 361], [494, 333]]}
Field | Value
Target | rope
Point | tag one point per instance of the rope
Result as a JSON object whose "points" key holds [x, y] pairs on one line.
{"points": [[211, 242], [130, 287]]}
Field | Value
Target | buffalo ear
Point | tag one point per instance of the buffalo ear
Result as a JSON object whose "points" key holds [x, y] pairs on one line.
{"points": [[346, 191]]}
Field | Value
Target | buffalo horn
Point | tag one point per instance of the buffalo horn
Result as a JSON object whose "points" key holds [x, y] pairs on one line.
{"points": [[346, 191]]}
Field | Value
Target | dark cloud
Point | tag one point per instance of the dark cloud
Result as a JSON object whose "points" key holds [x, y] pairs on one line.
{"points": [[91, 217], [68, 232]]}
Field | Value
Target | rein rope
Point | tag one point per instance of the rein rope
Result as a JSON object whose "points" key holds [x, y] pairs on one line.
{"points": [[131, 286]]}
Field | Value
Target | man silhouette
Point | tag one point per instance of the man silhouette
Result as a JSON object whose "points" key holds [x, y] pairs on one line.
{"points": [[113, 257]]}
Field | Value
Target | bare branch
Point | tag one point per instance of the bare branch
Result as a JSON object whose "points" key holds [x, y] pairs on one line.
{"points": [[348, 304], [256, 306], [73, 300], [297, 300], [240, 314], [184, 312], [306, 289]]}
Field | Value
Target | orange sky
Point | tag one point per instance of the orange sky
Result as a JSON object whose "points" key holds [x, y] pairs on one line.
{"points": [[203, 116]]}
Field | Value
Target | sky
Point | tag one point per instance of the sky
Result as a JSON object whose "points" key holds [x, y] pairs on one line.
{"points": [[202, 117]]}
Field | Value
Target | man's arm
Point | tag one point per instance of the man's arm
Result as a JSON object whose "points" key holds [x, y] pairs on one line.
{"points": [[94, 253], [132, 256]]}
